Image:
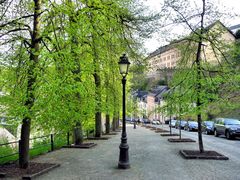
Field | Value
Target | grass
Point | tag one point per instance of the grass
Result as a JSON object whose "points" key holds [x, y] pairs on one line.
{"points": [[5, 151], [40, 146]]}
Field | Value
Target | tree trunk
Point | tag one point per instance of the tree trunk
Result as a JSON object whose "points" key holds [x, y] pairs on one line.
{"points": [[117, 121], [76, 70], [78, 135], [107, 124], [24, 144], [114, 124], [31, 80], [98, 116], [199, 86], [98, 124]]}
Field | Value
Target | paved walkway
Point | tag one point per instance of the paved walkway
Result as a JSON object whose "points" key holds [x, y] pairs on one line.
{"points": [[152, 157]]}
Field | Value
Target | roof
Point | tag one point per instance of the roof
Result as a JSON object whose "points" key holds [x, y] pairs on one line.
{"points": [[157, 91], [234, 27], [160, 50], [140, 94], [216, 22]]}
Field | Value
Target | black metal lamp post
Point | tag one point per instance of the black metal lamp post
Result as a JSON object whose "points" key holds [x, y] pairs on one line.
{"points": [[123, 162]]}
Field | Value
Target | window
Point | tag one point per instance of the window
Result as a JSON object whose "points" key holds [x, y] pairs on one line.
{"points": [[168, 57], [172, 56]]}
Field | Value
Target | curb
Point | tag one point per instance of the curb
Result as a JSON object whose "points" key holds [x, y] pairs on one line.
{"points": [[218, 156], [40, 173], [174, 140], [81, 146], [98, 138]]}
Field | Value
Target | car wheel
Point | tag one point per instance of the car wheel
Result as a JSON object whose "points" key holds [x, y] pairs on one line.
{"points": [[207, 132], [228, 135], [215, 133], [188, 129]]}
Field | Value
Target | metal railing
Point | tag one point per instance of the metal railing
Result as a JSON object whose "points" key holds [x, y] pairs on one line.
{"points": [[48, 141], [41, 143]]}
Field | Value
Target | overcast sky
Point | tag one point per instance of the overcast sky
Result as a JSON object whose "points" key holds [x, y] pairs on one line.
{"points": [[224, 5]]}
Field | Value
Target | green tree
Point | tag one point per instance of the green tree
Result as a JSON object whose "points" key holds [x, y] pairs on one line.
{"points": [[193, 84]]}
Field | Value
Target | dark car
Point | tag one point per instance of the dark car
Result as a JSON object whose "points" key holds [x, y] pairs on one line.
{"points": [[182, 124], [128, 119], [208, 127], [228, 127], [146, 121], [173, 123], [191, 126]]}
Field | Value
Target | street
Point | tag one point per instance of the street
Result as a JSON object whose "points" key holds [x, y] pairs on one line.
{"points": [[229, 148]]}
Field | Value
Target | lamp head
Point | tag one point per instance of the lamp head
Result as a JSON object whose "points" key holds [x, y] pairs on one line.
{"points": [[124, 65]]}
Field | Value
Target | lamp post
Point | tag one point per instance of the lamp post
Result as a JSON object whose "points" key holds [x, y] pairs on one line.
{"points": [[123, 162]]}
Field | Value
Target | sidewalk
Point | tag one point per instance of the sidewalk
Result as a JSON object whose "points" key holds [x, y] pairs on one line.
{"points": [[151, 157]]}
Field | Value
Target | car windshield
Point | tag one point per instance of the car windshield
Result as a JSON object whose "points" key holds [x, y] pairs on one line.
{"points": [[183, 122], [209, 123], [193, 122], [232, 122]]}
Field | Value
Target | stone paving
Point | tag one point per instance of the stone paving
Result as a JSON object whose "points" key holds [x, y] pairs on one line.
{"points": [[151, 157]]}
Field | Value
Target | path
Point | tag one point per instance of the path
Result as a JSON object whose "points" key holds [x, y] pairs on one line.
{"points": [[152, 157]]}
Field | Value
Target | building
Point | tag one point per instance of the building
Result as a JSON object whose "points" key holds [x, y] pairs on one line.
{"points": [[155, 102], [140, 98], [164, 61], [149, 103]]}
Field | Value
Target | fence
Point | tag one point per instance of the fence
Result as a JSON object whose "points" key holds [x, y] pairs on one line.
{"points": [[46, 143], [9, 152]]}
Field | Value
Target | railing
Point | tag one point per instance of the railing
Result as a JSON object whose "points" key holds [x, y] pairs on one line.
{"points": [[45, 144], [48, 143]]}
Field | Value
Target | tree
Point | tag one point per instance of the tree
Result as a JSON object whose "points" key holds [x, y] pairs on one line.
{"points": [[12, 29], [198, 87]]}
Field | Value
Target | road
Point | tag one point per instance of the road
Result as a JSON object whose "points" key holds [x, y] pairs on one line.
{"points": [[229, 148]]}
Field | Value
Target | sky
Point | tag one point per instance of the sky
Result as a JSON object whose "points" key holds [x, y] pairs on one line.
{"points": [[224, 5]]}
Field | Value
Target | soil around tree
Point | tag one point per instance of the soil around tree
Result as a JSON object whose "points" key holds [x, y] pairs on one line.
{"points": [[173, 134], [148, 127], [117, 130], [34, 169], [98, 138], [161, 131], [193, 154], [81, 146], [111, 133], [175, 140]]}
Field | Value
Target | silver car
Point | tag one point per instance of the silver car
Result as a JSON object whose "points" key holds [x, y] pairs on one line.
{"points": [[228, 127]]}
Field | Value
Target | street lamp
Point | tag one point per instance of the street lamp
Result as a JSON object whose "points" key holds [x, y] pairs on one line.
{"points": [[123, 162]]}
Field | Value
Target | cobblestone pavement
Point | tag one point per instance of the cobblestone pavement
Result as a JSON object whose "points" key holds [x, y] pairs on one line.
{"points": [[151, 157]]}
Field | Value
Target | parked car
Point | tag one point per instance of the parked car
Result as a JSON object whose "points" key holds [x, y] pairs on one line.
{"points": [[228, 127], [208, 127], [154, 122], [182, 124], [191, 126], [128, 119], [173, 123], [167, 121], [146, 121]]}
